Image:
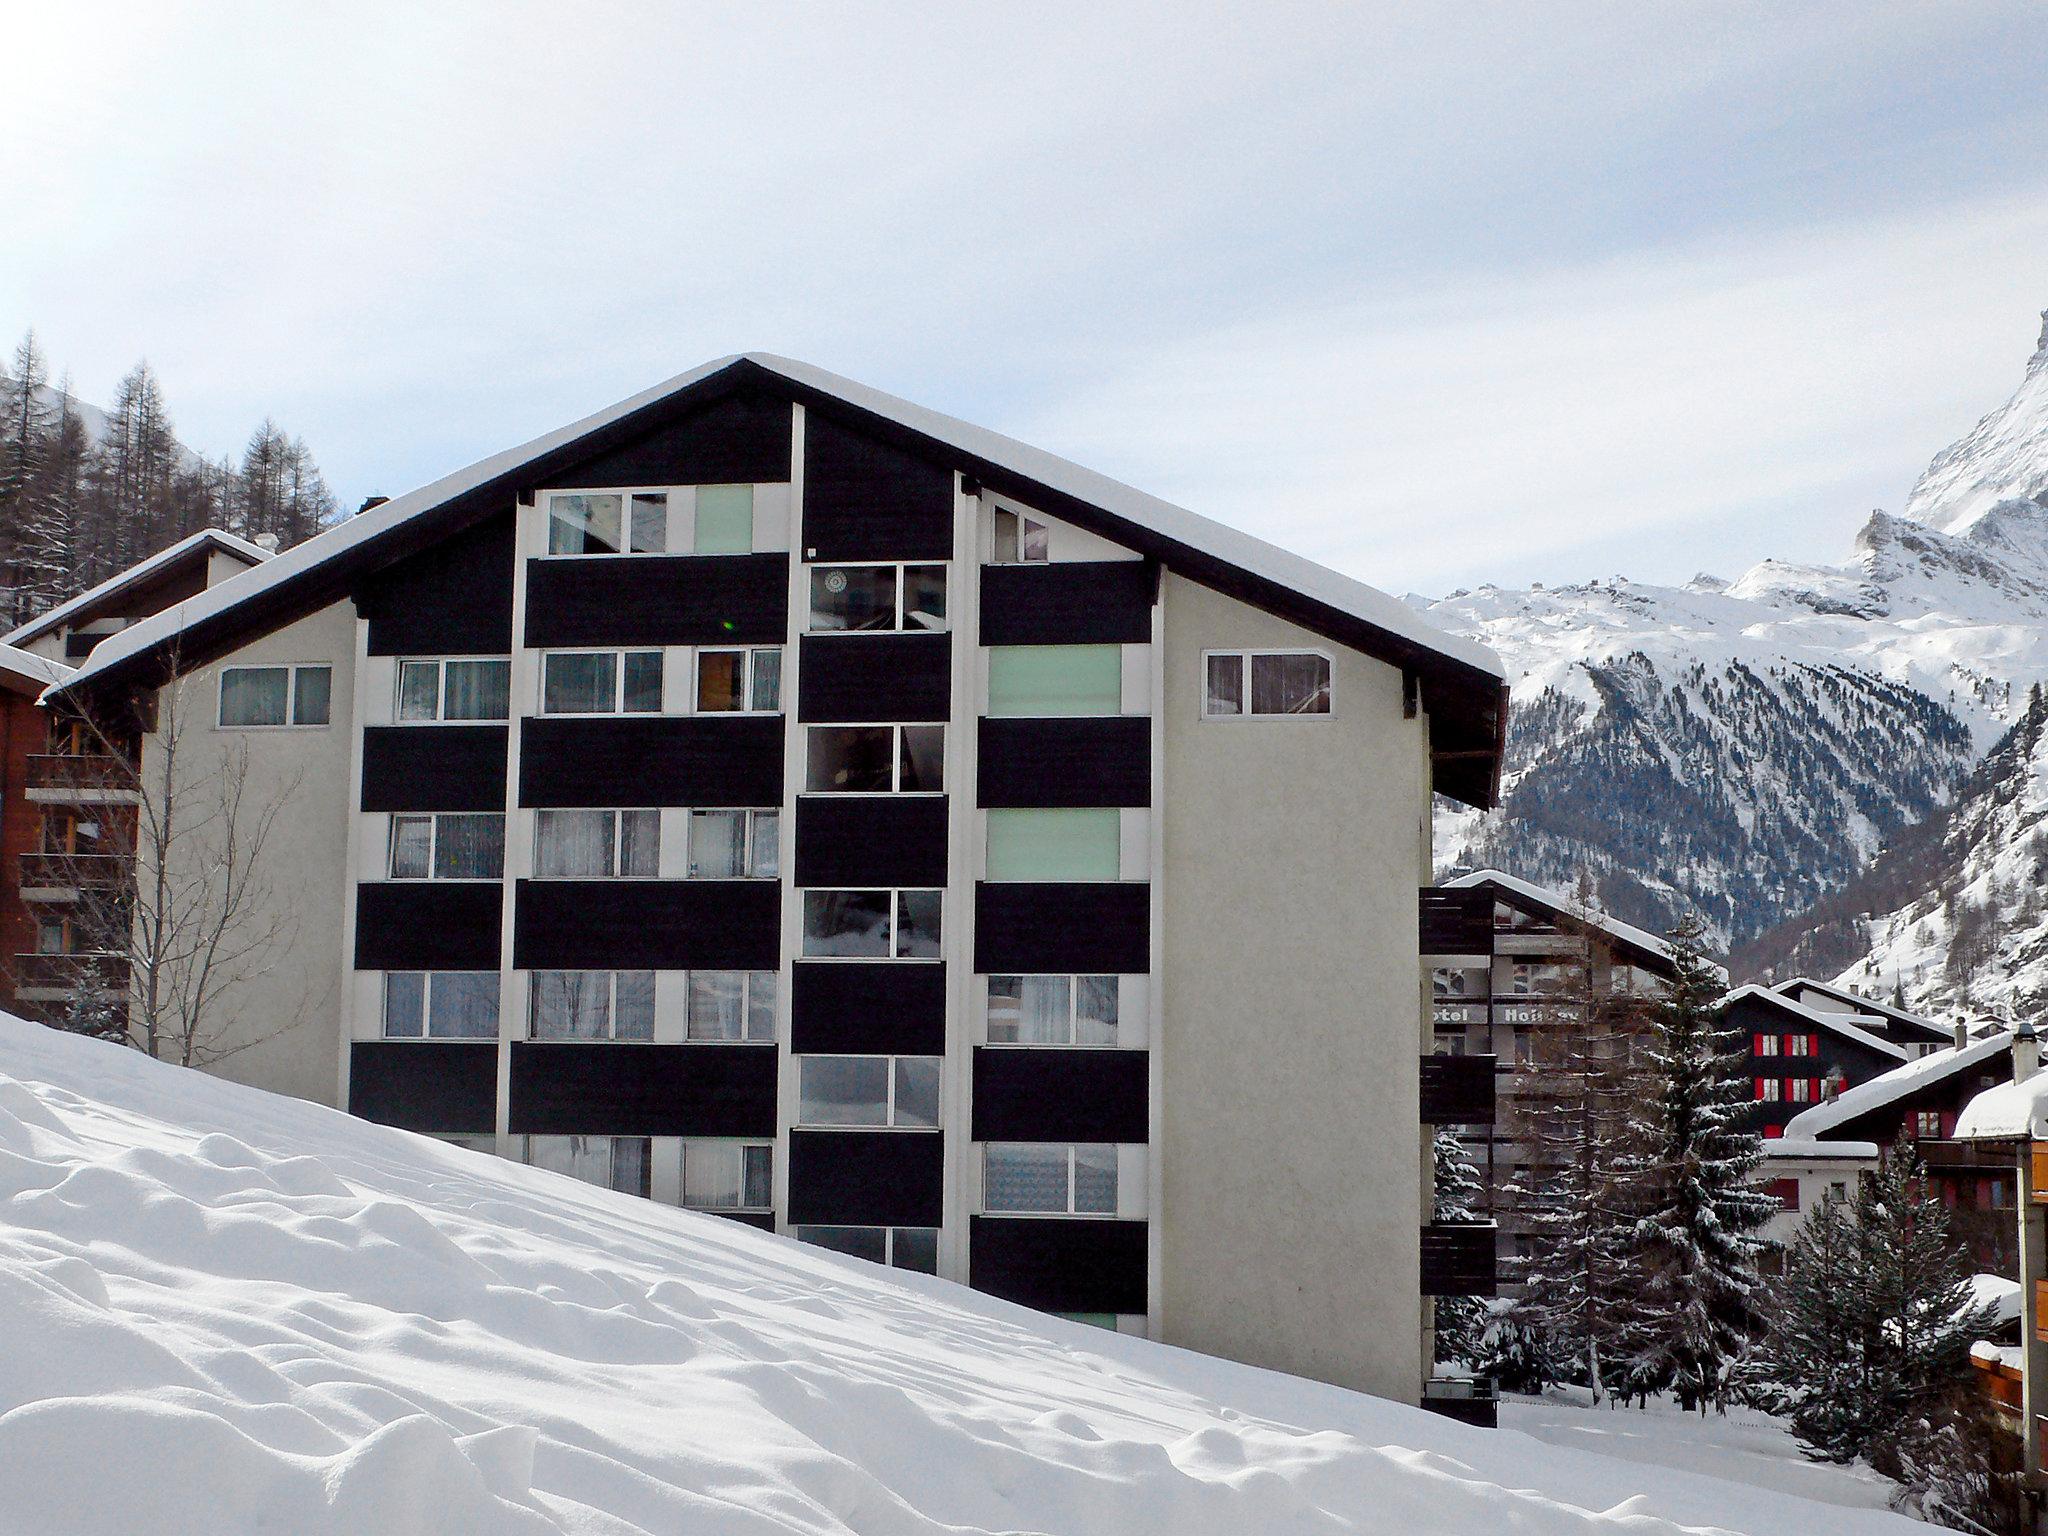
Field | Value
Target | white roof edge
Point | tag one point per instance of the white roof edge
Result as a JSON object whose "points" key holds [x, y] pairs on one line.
{"points": [[1813, 1149], [1877, 1009], [141, 570], [1840, 1023], [1269, 561], [1640, 937], [40, 670], [1889, 1087]]}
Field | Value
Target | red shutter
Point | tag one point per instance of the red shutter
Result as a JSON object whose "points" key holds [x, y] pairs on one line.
{"points": [[1759, 1089], [1813, 1044], [1756, 1044], [1771, 1131]]}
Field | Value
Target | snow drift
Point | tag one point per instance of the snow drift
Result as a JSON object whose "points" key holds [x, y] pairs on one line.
{"points": [[224, 1311]]}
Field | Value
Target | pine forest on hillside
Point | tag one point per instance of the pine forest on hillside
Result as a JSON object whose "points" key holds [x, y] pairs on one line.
{"points": [[84, 495]]}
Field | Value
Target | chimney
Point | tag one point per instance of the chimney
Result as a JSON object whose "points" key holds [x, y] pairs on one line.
{"points": [[1962, 1034], [267, 542], [370, 502], [2026, 1052]]}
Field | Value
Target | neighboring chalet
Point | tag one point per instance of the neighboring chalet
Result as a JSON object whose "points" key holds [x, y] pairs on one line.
{"points": [[776, 799], [1917, 1035], [1800, 1055], [1512, 968], [23, 743], [69, 631]]}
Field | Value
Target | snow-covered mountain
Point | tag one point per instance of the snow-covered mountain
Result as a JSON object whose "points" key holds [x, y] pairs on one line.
{"points": [[226, 1311], [1744, 748]]}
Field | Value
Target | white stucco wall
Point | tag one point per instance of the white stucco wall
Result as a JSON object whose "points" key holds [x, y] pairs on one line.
{"points": [[1294, 1170]]}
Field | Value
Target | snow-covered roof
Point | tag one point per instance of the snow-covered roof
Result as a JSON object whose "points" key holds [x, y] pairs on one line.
{"points": [[1280, 566], [1559, 902], [39, 672], [1808, 1149], [1894, 1085], [1841, 1023], [2008, 1112], [1864, 1005], [206, 538], [1997, 1292]]}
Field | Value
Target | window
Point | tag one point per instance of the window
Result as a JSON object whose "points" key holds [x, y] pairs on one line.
{"points": [[1802, 1090], [1039, 680], [739, 681], [441, 1005], [725, 520], [1054, 844], [1281, 683], [900, 1091], [1927, 1124], [735, 845], [1054, 1010], [732, 1005], [1528, 978], [872, 925], [875, 759], [608, 523], [878, 597], [472, 689], [1767, 1045], [1452, 983], [1768, 1090], [596, 845], [1799, 1045], [465, 845], [1018, 539], [591, 1005], [913, 1248], [1785, 1192], [624, 1163], [262, 696], [589, 683], [728, 1176], [1051, 1178]]}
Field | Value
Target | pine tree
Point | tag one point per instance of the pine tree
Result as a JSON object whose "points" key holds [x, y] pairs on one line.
{"points": [[132, 476], [1460, 1320], [24, 448], [1697, 1240], [91, 1009], [1809, 1362]]}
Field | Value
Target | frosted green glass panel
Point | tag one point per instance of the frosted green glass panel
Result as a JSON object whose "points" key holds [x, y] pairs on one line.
{"points": [[1052, 845], [725, 519], [1055, 679]]}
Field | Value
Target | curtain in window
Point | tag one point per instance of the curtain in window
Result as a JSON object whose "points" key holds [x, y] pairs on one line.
{"points": [[767, 688], [643, 683], [761, 1005], [470, 846], [1290, 685], [405, 1005], [843, 1090], [312, 695], [254, 695], [1095, 1003], [1095, 1179], [463, 1005], [571, 1005], [579, 685], [718, 844], [1028, 1010], [419, 690], [1224, 693], [757, 1177], [633, 1006], [1024, 1176], [631, 1165], [764, 853], [717, 1005], [572, 844], [479, 690], [712, 1176], [640, 843], [412, 847], [588, 1158]]}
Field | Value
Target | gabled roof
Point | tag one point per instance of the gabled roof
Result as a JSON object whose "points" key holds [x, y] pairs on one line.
{"points": [[1637, 944], [29, 673], [1890, 1087], [1463, 685], [201, 544], [1841, 1023], [1898, 1017], [2008, 1112]]}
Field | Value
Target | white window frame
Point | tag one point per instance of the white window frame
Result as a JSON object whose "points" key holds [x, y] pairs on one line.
{"points": [[611, 1015], [427, 1007], [1245, 656], [1769, 1046], [1773, 1091], [1801, 1090], [752, 654], [1026, 523], [625, 495], [440, 666], [747, 980], [291, 669], [889, 1099], [800, 1233], [617, 814], [745, 1144], [896, 730], [1072, 1149], [895, 894], [619, 655], [433, 819], [611, 1142], [1072, 1041], [902, 589], [749, 855]]}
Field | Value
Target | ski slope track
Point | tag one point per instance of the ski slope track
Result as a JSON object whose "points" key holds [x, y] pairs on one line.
{"points": [[223, 1311]]}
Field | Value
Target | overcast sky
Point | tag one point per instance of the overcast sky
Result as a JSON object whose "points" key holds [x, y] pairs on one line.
{"points": [[1438, 295]]}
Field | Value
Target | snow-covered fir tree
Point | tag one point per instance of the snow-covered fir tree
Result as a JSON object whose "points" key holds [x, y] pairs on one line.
{"points": [[1697, 1239], [1459, 1196], [1808, 1365]]}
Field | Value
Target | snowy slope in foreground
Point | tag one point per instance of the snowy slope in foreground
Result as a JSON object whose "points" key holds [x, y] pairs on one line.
{"points": [[223, 1311]]}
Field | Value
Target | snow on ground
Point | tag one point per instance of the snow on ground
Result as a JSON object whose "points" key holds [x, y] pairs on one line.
{"points": [[223, 1311], [1742, 1445]]}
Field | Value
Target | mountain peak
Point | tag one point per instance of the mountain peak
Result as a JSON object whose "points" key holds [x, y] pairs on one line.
{"points": [[2003, 458]]}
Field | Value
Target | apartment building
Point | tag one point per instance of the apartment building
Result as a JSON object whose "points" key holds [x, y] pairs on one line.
{"points": [[779, 800], [23, 739]]}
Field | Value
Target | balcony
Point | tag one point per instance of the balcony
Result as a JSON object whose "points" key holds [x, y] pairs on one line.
{"points": [[1457, 1090], [52, 978], [1468, 1399], [1458, 1259], [1456, 921], [67, 876], [80, 779]]}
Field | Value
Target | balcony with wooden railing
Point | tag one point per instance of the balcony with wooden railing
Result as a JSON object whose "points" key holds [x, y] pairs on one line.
{"points": [[88, 778], [68, 876], [52, 978]]}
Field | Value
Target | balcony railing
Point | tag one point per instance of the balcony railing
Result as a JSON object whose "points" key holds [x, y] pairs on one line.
{"points": [[1456, 921], [80, 776], [66, 874], [1468, 1399], [1457, 1090], [1458, 1259], [49, 977]]}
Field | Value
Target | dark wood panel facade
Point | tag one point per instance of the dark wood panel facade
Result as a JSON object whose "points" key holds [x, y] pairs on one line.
{"points": [[447, 1086], [871, 840], [704, 760], [867, 1178], [434, 767], [869, 500], [1077, 602], [1059, 1264], [657, 600], [428, 925], [1065, 761], [652, 925], [868, 1008], [1027, 927], [861, 678], [621, 1088], [1039, 1093]]}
